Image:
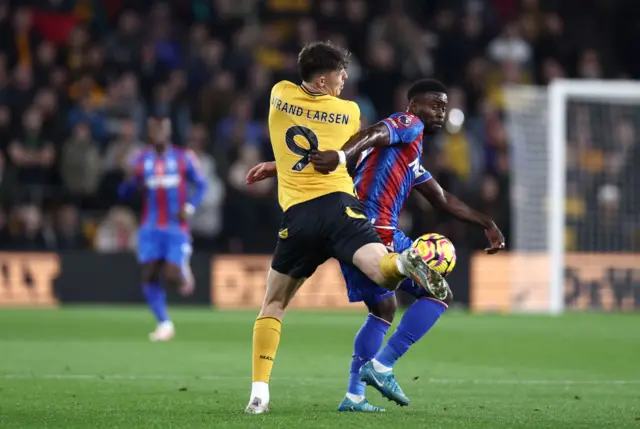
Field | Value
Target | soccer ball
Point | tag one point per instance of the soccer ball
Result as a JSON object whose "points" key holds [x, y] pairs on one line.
{"points": [[437, 251]]}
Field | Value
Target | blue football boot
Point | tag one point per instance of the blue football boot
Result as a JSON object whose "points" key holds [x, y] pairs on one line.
{"points": [[363, 406], [383, 382]]}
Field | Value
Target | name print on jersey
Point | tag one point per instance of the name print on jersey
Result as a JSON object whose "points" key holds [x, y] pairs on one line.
{"points": [[312, 115]]}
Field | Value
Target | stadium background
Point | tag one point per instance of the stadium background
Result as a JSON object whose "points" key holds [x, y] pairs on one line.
{"points": [[77, 78]]}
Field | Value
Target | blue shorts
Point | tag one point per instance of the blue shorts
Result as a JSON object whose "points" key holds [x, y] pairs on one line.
{"points": [[360, 288], [169, 245]]}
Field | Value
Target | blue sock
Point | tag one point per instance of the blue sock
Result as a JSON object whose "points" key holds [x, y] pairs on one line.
{"points": [[416, 322], [367, 342], [157, 300]]}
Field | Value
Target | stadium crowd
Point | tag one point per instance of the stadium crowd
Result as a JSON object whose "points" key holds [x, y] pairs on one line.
{"points": [[78, 78]]}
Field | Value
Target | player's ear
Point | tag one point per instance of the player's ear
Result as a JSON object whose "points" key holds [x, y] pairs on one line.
{"points": [[411, 106]]}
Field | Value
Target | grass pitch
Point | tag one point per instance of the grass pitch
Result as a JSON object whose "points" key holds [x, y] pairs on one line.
{"points": [[94, 368]]}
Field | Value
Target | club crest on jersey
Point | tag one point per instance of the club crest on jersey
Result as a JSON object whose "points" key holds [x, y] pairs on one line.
{"points": [[404, 120]]}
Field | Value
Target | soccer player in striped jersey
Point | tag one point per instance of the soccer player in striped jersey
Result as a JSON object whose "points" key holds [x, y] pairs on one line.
{"points": [[173, 187], [387, 170]]}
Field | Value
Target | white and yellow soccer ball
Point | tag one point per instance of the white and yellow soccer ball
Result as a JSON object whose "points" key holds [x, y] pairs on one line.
{"points": [[437, 251]]}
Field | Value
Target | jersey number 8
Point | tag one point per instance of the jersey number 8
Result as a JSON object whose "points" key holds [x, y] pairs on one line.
{"points": [[311, 138]]}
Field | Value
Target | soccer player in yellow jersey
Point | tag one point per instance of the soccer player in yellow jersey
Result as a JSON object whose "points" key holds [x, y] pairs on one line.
{"points": [[322, 216]]}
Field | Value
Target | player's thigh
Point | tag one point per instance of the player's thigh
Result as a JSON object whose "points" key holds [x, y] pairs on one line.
{"points": [[299, 250], [351, 237], [151, 245], [281, 288], [362, 289], [152, 271], [177, 255]]}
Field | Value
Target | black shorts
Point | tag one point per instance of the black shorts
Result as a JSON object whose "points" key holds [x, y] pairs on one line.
{"points": [[333, 225]]}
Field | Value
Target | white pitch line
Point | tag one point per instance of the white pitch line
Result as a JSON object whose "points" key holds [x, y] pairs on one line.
{"points": [[309, 379]]}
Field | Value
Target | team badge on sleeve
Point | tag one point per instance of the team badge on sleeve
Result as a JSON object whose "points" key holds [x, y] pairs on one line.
{"points": [[404, 120]]}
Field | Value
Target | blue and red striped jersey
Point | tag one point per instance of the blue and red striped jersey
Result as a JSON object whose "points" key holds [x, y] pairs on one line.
{"points": [[384, 176], [169, 181]]}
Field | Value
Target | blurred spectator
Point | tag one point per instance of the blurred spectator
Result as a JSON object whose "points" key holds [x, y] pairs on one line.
{"points": [[86, 112], [77, 48], [239, 128], [26, 233], [66, 65], [215, 99], [249, 204], [124, 44], [206, 63], [510, 46], [124, 103], [21, 92], [589, 65], [207, 221], [613, 232], [54, 124], [80, 163], [117, 232], [46, 60], [121, 151], [21, 41], [31, 153], [68, 231]]}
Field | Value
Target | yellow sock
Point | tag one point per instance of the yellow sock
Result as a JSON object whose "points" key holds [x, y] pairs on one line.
{"points": [[389, 268], [266, 337]]}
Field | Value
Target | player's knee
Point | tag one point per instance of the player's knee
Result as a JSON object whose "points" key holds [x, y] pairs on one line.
{"points": [[281, 288], [367, 259], [172, 275], [150, 273], [385, 309]]}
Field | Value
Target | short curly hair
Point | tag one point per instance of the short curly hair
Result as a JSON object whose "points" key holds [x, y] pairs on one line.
{"points": [[424, 86], [321, 57]]}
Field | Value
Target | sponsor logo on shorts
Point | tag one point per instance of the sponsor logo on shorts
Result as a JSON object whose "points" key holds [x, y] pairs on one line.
{"points": [[352, 214]]}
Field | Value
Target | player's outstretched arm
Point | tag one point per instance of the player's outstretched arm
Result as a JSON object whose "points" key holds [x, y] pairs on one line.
{"points": [[443, 200], [132, 177], [262, 171], [128, 185], [199, 181], [327, 161]]}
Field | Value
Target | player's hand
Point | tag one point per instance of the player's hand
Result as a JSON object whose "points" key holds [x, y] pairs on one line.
{"points": [[186, 212], [324, 161], [260, 172], [496, 239]]}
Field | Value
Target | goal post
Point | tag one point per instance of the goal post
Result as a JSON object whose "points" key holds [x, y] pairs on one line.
{"points": [[563, 140]]}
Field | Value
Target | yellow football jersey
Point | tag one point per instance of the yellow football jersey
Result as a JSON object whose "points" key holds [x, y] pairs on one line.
{"points": [[298, 122]]}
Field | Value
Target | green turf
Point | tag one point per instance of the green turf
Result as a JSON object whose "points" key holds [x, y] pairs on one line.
{"points": [[94, 368]]}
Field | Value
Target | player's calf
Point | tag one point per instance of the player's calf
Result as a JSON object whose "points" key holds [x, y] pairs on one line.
{"points": [[188, 284], [266, 337], [173, 275]]}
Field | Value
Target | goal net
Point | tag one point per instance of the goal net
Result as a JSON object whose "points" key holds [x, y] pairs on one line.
{"points": [[575, 163]]}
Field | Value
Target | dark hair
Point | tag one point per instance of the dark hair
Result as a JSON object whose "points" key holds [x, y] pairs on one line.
{"points": [[423, 86], [320, 57]]}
